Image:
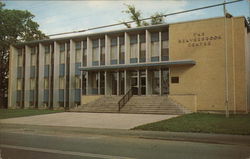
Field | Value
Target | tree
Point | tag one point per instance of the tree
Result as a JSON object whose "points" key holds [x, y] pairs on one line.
{"points": [[15, 26], [136, 15]]}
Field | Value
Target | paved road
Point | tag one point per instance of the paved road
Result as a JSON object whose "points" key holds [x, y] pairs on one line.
{"points": [[89, 120], [32, 145]]}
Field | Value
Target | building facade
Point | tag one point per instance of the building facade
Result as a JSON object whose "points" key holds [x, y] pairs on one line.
{"points": [[202, 64]]}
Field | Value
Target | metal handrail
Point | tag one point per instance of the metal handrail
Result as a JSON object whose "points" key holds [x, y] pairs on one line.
{"points": [[125, 99]]}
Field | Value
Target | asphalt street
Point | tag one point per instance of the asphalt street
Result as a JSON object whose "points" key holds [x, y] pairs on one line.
{"points": [[29, 145]]}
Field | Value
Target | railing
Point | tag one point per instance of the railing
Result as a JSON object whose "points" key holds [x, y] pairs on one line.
{"points": [[125, 99]]}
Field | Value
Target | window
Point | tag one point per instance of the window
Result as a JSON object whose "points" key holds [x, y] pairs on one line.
{"points": [[174, 79], [62, 47], [95, 53], [77, 83], [165, 47], [33, 50], [62, 57], [155, 46], [32, 83], [78, 56], [122, 50], [47, 59], [102, 51], [33, 60], [19, 84], [61, 83], [114, 48], [46, 83], [84, 56], [47, 49], [133, 49], [78, 45], [20, 60], [142, 48]]}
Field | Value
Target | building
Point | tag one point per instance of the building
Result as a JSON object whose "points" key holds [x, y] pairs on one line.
{"points": [[201, 64]]}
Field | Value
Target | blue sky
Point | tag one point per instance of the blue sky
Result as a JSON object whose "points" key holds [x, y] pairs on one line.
{"points": [[64, 16]]}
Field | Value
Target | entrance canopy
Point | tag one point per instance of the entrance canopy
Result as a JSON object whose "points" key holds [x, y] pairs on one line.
{"points": [[139, 65]]}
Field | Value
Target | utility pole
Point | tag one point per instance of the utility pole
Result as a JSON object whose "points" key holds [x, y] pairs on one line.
{"points": [[226, 60]]}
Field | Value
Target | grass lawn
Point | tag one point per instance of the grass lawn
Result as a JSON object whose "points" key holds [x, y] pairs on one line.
{"points": [[203, 123], [12, 113]]}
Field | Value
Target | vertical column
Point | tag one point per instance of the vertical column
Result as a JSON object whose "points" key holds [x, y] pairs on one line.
{"points": [[99, 83], [160, 81], [118, 83], [99, 50], [56, 76], [72, 67], [138, 48], [127, 48], [148, 82], [118, 50], [160, 55], [27, 76], [108, 83], [89, 52], [41, 75], [127, 81], [12, 88], [107, 50], [87, 83], [148, 46]]}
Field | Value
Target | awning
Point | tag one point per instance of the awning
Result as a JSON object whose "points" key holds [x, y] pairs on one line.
{"points": [[139, 65]]}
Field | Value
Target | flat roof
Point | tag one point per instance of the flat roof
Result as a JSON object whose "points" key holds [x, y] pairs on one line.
{"points": [[139, 65], [115, 31]]}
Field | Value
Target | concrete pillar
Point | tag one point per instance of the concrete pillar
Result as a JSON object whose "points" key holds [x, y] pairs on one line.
{"points": [[127, 48], [148, 82], [72, 55], [118, 50], [138, 48], [118, 83], [99, 82], [107, 83], [107, 50], [160, 81], [148, 46], [127, 81], [56, 75], [160, 55], [89, 52], [41, 75], [87, 83], [27, 76], [12, 85]]}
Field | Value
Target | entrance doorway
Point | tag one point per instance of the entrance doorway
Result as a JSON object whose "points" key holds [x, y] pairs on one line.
{"points": [[138, 82]]}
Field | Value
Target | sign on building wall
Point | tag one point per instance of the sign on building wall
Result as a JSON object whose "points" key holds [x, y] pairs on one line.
{"points": [[199, 39]]}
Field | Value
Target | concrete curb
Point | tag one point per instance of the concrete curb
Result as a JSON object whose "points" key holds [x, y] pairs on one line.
{"points": [[157, 135]]}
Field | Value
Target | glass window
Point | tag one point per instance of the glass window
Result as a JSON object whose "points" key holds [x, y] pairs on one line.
{"points": [[62, 47], [19, 84], [32, 83], [156, 83], [61, 83], [20, 60], [62, 57], [78, 56], [47, 49], [78, 45], [95, 53], [102, 51], [47, 59], [33, 60], [142, 48], [84, 57], [113, 48], [77, 82], [84, 81], [46, 83]]}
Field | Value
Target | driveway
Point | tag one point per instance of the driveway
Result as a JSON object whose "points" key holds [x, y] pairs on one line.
{"points": [[89, 120]]}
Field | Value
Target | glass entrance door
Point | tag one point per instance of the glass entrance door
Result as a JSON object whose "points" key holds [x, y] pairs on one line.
{"points": [[134, 82], [142, 82]]}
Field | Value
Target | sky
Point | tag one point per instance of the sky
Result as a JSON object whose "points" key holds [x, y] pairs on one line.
{"points": [[65, 16]]}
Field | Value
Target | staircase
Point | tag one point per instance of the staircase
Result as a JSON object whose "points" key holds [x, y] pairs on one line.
{"points": [[105, 104], [153, 105]]}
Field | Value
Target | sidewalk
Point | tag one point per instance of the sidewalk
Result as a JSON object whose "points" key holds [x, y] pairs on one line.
{"points": [[176, 136]]}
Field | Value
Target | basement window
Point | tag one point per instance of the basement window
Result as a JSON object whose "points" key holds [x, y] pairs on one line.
{"points": [[174, 79]]}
